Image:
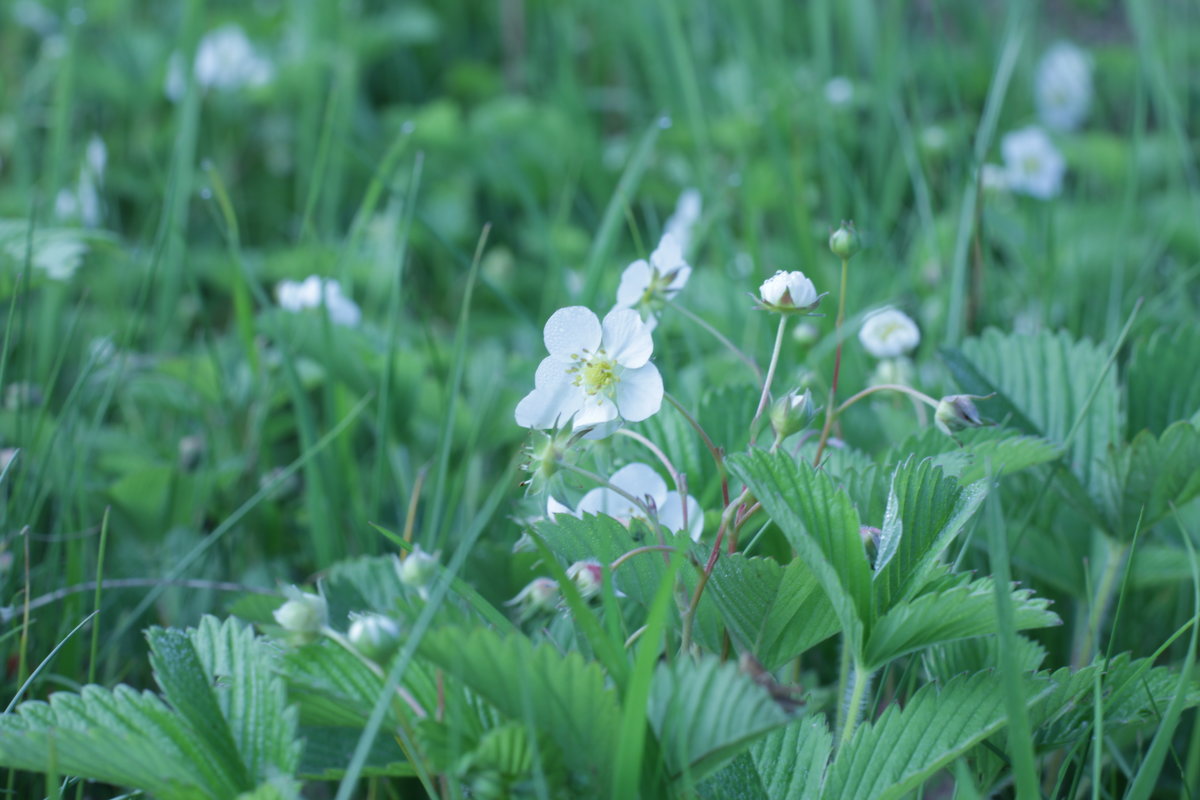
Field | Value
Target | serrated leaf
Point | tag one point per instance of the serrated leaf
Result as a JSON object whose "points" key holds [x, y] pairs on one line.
{"points": [[119, 737], [705, 712], [958, 613], [251, 694], [820, 523], [898, 752], [1043, 382], [775, 611], [791, 761], [1150, 476], [925, 511], [1162, 379], [562, 696]]}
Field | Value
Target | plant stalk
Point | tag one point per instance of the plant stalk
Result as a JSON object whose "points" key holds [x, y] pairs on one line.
{"points": [[831, 410]]}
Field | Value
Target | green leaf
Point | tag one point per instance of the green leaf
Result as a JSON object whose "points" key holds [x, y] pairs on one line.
{"points": [[777, 612], [251, 694], [925, 511], [820, 523], [905, 746], [119, 737], [958, 613], [327, 751], [1162, 379], [1043, 382], [705, 712], [1151, 476], [791, 761], [562, 696]]}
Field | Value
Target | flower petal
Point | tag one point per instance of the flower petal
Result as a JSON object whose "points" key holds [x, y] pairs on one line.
{"points": [[668, 255], [634, 280], [640, 393], [670, 514], [570, 331], [595, 411], [626, 338], [554, 400], [640, 480]]}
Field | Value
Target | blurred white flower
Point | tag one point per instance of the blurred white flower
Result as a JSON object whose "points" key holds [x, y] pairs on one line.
{"points": [[1063, 87], [82, 203], [315, 291], [1032, 164], [788, 290], [646, 287], [686, 215], [839, 91], [596, 374], [642, 482], [225, 59], [888, 333]]}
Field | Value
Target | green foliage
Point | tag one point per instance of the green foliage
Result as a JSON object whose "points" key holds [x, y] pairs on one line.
{"points": [[226, 730], [706, 712]]}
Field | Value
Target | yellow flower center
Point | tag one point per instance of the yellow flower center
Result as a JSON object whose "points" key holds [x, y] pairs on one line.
{"points": [[595, 373]]}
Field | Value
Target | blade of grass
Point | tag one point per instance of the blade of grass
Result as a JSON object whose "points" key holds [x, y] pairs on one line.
{"points": [[1144, 781], [1020, 735]]}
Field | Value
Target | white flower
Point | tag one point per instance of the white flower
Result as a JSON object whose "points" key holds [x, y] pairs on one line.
{"points": [[839, 91], [596, 374], [647, 286], [888, 333], [314, 292], [225, 59], [1063, 87], [788, 290], [1032, 163], [685, 217], [641, 481]]}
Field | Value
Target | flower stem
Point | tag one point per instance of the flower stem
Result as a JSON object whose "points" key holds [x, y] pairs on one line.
{"points": [[689, 616], [830, 409], [658, 453], [720, 337], [860, 682], [766, 390], [889, 387]]}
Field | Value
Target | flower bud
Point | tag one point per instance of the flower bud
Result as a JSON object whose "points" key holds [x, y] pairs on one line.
{"points": [[844, 242], [587, 577], [544, 453], [375, 636], [957, 411], [303, 616], [788, 292], [541, 594], [791, 413], [418, 569]]}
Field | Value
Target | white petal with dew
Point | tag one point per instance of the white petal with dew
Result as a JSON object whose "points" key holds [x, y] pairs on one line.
{"points": [[571, 330], [553, 401]]}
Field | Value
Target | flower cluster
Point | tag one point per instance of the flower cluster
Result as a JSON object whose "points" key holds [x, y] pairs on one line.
{"points": [[314, 292], [1063, 87], [225, 60]]}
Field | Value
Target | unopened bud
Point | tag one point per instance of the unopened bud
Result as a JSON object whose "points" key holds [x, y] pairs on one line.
{"points": [[844, 242], [303, 616], [375, 636], [418, 568], [541, 594], [788, 293], [791, 413], [587, 577], [957, 411]]}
